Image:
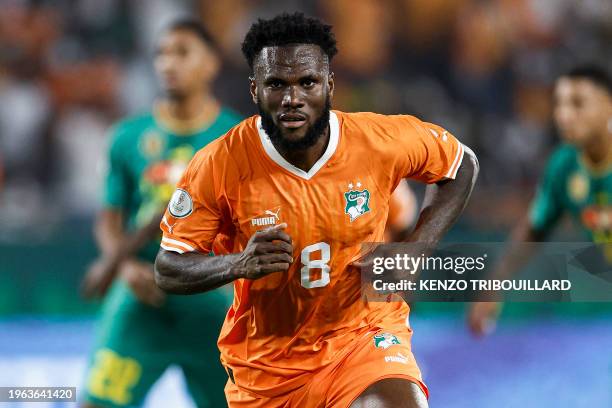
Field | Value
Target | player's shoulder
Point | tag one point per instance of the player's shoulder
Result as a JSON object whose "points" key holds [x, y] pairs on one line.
{"points": [[563, 156], [373, 117], [377, 127], [229, 116], [372, 120], [359, 119]]}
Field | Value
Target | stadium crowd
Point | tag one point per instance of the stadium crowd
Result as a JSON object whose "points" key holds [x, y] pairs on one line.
{"points": [[483, 69]]}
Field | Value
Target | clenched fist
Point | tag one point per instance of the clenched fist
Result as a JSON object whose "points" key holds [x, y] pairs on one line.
{"points": [[268, 251]]}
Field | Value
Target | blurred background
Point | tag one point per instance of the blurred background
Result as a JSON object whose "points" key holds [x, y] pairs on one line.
{"points": [[483, 69]]}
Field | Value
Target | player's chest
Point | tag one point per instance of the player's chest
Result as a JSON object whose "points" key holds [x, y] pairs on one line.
{"points": [[589, 199], [336, 207], [159, 158]]}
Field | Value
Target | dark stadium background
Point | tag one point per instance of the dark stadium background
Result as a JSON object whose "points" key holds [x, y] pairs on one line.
{"points": [[482, 69]]}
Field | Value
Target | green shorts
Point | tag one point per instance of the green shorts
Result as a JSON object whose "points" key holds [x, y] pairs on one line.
{"points": [[135, 343]]}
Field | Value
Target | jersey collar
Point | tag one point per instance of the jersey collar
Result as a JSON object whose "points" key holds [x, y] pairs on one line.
{"points": [[275, 156]]}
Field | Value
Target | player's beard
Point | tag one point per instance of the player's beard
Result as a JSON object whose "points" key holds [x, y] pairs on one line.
{"points": [[313, 134]]}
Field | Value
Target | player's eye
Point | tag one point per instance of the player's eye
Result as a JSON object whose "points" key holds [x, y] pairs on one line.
{"points": [[308, 83], [162, 51], [275, 84]]}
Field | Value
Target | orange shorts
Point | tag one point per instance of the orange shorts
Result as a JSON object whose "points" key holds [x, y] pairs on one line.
{"points": [[377, 355]]}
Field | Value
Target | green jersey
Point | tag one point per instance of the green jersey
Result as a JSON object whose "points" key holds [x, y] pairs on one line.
{"points": [[570, 185], [147, 158], [135, 342]]}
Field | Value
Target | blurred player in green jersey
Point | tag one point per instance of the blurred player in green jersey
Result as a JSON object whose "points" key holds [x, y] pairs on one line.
{"points": [[142, 330], [577, 180]]}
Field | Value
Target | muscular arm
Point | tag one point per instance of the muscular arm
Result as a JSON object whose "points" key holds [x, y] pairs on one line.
{"points": [[193, 272], [267, 251], [112, 239], [109, 231], [481, 316], [109, 234], [444, 202], [133, 242], [545, 211], [516, 255], [116, 247]]}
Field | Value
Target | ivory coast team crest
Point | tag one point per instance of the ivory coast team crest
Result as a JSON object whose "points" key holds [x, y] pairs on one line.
{"points": [[385, 340], [357, 202]]}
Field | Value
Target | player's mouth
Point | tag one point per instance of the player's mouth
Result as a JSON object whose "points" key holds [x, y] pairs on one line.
{"points": [[170, 80], [292, 120]]}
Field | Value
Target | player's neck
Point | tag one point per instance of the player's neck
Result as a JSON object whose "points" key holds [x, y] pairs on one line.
{"points": [[187, 114], [191, 106], [306, 158], [599, 153]]}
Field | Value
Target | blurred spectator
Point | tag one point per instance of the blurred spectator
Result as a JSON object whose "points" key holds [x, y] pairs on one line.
{"points": [[483, 69], [365, 48]]}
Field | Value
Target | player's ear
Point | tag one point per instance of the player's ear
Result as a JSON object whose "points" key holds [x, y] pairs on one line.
{"points": [[330, 84], [253, 89]]}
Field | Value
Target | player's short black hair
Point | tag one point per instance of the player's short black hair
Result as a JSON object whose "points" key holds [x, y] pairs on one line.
{"points": [[197, 28], [594, 73], [287, 29]]}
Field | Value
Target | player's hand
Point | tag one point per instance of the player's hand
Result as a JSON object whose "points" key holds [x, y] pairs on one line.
{"points": [[268, 251], [140, 278], [482, 317], [99, 277]]}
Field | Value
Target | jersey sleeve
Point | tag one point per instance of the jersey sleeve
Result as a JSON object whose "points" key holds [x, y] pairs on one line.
{"points": [[117, 182], [424, 151], [546, 208], [193, 217]]}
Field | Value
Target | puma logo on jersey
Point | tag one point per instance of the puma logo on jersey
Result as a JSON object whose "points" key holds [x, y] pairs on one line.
{"points": [[272, 213], [270, 218], [399, 358]]}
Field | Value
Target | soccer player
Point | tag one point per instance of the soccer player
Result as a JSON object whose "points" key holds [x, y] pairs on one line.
{"points": [[286, 198], [577, 180], [142, 331]]}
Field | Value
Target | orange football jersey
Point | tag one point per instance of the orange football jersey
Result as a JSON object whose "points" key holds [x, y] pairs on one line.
{"points": [[285, 326]]}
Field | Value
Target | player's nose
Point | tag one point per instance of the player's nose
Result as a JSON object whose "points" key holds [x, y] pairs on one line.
{"points": [[292, 98], [165, 65]]}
